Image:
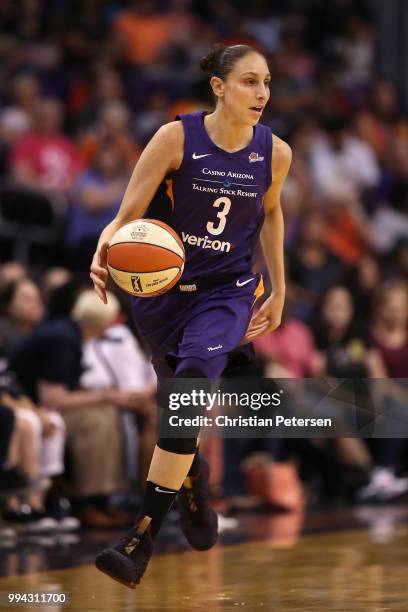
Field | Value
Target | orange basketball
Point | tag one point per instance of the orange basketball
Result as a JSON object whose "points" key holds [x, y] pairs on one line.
{"points": [[146, 257]]}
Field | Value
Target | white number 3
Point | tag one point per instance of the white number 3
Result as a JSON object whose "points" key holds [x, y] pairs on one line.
{"points": [[215, 230]]}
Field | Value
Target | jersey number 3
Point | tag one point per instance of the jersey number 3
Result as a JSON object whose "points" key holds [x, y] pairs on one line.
{"points": [[217, 228]]}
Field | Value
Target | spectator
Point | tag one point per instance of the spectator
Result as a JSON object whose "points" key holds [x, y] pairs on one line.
{"points": [[12, 480], [357, 50], [21, 308], [48, 364], [14, 124], [362, 283], [389, 223], [293, 206], [52, 280], [398, 267], [389, 333], [116, 360], [84, 44], [312, 268], [141, 32], [107, 88], [345, 233], [25, 94], [343, 347], [376, 123], [6, 431], [112, 130], [46, 159], [156, 113], [292, 83], [348, 355], [37, 449], [340, 158], [290, 351], [390, 339], [10, 272], [95, 200]]}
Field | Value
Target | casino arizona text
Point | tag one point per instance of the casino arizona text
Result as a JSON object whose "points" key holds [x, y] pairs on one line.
{"points": [[228, 174]]}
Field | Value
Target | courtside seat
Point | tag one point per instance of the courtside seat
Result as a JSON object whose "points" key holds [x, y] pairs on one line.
{"points": [[31, 223]]}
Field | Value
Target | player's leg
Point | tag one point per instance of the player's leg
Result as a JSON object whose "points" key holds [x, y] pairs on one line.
{"points": [[171, 462], [225, 316], [220, 322], [198, 520]]}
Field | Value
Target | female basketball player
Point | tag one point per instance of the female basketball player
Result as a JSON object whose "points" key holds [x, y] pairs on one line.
{"points": [[216, 179]]}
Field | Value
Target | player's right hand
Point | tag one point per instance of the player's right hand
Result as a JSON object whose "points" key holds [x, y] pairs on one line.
{"points": [[99, 270]]}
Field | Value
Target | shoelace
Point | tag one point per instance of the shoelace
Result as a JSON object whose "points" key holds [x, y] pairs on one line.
{"points": [[131, 545], [132, 538], [191, 501], [195, 493]]}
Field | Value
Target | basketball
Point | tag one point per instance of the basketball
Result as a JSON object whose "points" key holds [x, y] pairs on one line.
{"points": [[146, 257]]}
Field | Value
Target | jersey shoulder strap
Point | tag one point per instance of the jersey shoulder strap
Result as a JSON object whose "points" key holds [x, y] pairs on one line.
{"points": [[265, 140], [192, 133]]}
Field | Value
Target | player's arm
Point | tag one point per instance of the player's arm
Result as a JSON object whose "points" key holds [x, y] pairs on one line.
{"points": [[163, 154], [269, 316]]}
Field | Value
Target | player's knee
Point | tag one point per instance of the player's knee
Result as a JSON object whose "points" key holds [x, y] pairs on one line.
{"points": [[203, 368], [190, 383], [180, 446], [189, 373]]}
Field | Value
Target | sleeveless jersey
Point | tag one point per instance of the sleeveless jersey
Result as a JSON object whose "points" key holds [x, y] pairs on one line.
{"points": [[214, 201]]}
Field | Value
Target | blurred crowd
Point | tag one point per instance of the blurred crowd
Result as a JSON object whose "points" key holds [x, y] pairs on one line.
{"points": [[83, 86]]}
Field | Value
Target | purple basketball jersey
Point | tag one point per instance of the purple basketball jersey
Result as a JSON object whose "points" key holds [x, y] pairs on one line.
{"points": [[215, 201]]}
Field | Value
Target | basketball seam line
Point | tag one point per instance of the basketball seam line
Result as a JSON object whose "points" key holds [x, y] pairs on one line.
{"points": [[163, 225], [146, 272], [148, 244]]}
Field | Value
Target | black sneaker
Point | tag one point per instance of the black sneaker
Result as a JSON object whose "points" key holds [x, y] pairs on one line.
{"points": [[198, 520], [127, 561], [61, 510], [30, 520], [12, 480]]}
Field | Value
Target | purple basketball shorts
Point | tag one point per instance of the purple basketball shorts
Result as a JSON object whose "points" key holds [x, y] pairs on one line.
{"points": [[202, 324]]}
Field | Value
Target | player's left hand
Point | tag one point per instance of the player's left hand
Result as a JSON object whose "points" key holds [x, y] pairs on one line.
{"points": [[267, 318]]}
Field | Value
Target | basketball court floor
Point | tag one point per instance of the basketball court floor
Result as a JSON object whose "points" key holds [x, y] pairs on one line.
{"points": [[344, 560]]}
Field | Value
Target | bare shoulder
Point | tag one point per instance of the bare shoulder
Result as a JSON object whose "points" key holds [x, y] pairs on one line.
{"points": [[281, 160], [172, 132], [281, 155], [171, 136]]}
